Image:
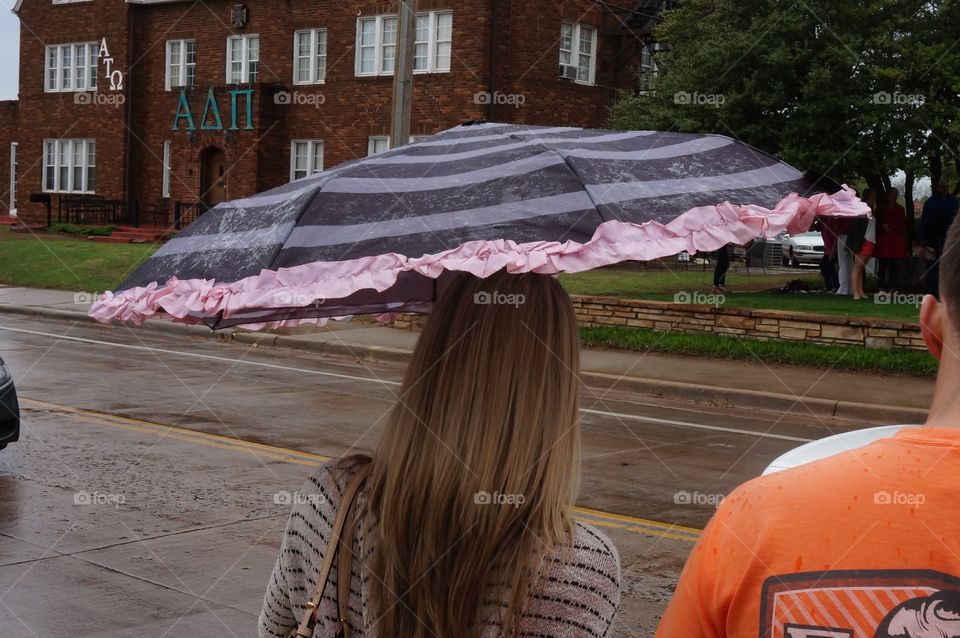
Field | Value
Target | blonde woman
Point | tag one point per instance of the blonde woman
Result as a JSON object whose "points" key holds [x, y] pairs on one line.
{"points": [[464, 528]]}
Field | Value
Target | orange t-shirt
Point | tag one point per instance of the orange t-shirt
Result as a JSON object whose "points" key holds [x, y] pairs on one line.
{"points": [[865, 544]]}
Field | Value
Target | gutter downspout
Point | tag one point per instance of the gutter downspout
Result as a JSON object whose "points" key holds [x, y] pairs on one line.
{"points": [[492, 79], [127, 142]]}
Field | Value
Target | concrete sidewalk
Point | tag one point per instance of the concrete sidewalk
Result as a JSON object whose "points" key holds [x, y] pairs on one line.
{"points": [[867, 397]]}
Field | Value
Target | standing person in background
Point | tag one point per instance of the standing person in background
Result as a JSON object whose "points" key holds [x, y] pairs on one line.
{"points": [[828, 227], [862, 240], [938, 213], [844, 254], [720, 270], [891, 239]]}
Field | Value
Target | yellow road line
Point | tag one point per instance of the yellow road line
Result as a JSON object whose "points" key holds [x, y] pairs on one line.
{"points": [[263, 450]]}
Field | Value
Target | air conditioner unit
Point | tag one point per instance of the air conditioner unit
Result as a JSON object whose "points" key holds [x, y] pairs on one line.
{"points": [[568, 72]]}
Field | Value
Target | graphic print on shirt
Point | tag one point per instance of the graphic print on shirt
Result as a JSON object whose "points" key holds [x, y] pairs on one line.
{"points": [[861, 604]]}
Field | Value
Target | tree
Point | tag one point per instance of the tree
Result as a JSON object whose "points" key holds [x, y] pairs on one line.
{"points": [[852, 90]]}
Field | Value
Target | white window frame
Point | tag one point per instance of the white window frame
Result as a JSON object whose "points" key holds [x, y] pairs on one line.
{"points": [[165, 180], [575, 54], [374, 140], [433, 18], [314, 152], [183, 67], [245, 60], [318, 41], [64, 153], [649, 69], [91, 51]]}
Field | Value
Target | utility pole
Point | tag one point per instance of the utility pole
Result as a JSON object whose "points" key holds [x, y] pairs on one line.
{"points": [[403, 74]]}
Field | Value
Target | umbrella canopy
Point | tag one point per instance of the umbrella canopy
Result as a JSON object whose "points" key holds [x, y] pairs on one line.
{"points": [[374, 235]]}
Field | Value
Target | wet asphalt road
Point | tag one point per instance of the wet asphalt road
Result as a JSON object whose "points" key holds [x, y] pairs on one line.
{"points": [[147, 494]]}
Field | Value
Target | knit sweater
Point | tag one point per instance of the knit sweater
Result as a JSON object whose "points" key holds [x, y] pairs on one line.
{"points": [[579, 596]]}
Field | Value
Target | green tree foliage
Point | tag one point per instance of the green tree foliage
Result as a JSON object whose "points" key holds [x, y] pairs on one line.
{"points": [[854, 90]]}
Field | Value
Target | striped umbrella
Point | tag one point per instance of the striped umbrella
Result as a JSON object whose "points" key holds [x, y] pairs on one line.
{"points": [[373, 236]]}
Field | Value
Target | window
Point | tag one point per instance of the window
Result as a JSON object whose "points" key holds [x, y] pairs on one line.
{"points": [[71, 67], [578, 52], [648, 69], [306, 158], [310, 56], [243, 59], [377, 43], [165, 184], [69, 166], [378, 144], [432, 49], [181, 63]]}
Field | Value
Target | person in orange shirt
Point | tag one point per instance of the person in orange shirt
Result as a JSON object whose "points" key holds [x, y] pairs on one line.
{"points": [[864, 544]]}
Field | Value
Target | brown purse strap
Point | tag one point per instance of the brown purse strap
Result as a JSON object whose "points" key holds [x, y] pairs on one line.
{"points": [[345, 576], [309, 618]]}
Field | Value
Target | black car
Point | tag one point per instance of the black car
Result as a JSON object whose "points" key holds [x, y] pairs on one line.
{"points": [[9, 408]]}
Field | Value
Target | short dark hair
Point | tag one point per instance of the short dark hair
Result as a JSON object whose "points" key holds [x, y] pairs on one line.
{"points": [[950, 273]]}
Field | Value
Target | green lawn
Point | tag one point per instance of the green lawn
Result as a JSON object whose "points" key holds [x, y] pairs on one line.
{"points": [[746, 291], [48, 260], [909, 362], [41, 260]]}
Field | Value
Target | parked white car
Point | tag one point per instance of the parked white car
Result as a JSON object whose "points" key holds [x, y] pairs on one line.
{"points": [[805, 248]]}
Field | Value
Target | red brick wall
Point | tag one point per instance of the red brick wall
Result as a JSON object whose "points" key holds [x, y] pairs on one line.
{"points": [[57, 115], [8, 134], [529, 56], [353, 108]]}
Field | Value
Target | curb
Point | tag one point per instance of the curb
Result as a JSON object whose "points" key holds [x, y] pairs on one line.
{"points": [[757, 399], [79, 316], [730, 397]]}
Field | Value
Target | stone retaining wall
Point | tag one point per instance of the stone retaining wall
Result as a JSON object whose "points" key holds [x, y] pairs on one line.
{"points": [[755, 324]]}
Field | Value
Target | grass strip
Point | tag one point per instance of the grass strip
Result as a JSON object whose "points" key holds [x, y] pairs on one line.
{"points": [[848, 359]]}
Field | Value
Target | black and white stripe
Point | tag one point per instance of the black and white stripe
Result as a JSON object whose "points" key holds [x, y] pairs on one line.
{"points": [[478, 182]]}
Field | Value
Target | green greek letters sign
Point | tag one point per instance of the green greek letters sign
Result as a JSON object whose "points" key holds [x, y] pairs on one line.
{"points": [[211, 119]]}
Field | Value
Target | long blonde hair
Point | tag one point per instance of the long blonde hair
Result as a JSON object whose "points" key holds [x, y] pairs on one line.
{"points": [[478, 467]]}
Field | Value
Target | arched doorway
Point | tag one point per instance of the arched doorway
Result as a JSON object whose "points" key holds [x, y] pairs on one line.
{"points": [[213, 177]]}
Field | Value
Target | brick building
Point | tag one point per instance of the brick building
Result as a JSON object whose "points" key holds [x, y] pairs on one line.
{"points": [[160, 101]]}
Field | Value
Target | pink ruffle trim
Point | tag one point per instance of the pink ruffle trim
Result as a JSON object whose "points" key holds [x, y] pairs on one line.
{"points": [[701, 229]]}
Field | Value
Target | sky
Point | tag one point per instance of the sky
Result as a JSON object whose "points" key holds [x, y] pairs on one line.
{"points": [[9, 51]]}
